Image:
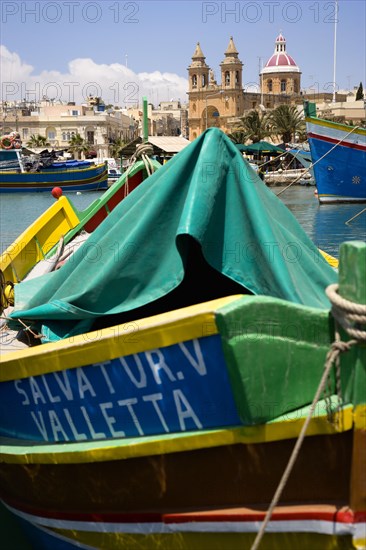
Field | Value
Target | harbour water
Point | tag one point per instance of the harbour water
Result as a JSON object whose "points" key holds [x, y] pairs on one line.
{"points": [[325, 224]]}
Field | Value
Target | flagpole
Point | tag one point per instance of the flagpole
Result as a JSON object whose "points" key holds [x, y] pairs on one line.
{"points": [[335, 50]]}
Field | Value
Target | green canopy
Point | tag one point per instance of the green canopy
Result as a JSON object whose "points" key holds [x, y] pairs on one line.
{"points": [[203, 224], [262, 147]]}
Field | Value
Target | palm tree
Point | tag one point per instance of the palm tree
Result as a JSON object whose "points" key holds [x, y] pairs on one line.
{"points": [[237, 135], [38, 141], [286, 121], [254, 126], [115, 147], [78, 145]]}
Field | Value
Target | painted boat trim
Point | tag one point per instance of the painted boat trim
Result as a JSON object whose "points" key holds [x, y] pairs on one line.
{"points": [[134, 337], [334, 125], [331, 521], [335, 141], [19, 257], [282, 428]]}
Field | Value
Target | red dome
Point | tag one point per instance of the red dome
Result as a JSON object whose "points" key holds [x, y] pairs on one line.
{"points": [[281, 59]]}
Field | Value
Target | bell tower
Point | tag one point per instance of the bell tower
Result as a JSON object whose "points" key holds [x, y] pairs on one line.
{"points": [[198, 74], [232, 81], [198, 71], [231, 69], [210, 103]]}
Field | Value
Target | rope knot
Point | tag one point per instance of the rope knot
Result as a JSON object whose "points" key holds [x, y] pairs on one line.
{"points": [[143, 149], [341, 346]]}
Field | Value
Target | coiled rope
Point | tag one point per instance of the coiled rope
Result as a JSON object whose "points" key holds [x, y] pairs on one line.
{"points": [[143, 152], [346, 314]]}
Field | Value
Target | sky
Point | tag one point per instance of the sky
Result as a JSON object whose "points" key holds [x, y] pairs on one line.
{"points": [[126, 50]]}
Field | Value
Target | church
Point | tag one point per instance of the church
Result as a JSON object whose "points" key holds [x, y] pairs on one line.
{"points": [[222, 105]]}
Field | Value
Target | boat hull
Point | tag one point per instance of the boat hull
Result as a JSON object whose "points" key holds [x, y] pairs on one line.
{"points": [[177, 490], [147, 482], [63, 220], [339, 159], [93, 178], [174, 372]]}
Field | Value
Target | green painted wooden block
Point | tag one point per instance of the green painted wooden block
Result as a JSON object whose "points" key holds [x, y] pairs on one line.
{"points": [[275, 351]]}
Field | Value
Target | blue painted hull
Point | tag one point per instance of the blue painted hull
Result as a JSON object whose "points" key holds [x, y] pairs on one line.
{"points": [[339, 158], [88, 179], [173, 389]]}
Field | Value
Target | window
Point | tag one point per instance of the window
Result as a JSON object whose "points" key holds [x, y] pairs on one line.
{"points": [[194, 81], [203, 80], [25, 133], [270, 85], [283, 85], [227, 78], [90, 137], [74, 113], [237, 82], [51, 134]]}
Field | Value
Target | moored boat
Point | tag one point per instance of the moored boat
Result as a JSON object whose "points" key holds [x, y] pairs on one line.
{"points": [[40, 241], [20, 173], [197, 339], [339, 158]]}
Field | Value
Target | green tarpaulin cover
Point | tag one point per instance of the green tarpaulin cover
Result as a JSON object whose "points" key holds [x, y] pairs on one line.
{"points": [[207, 197]]}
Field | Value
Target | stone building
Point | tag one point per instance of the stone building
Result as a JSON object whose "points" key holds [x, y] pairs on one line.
{"points": [[212, 104], [98, 126], [222, 105]]}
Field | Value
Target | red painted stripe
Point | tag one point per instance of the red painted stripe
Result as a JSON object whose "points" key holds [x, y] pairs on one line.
{"points": [[339, 516], [357, 146]]}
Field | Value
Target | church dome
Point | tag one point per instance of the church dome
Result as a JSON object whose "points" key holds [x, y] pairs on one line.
{"points": [[280, 61]]}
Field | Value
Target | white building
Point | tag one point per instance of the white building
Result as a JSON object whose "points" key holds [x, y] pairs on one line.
{"points": [[98, 126]]}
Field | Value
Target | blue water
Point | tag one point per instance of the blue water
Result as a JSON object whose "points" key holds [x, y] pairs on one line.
{"points": [[325, 224]]}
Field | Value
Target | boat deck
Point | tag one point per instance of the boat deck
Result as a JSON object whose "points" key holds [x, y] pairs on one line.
{"points": [[9, 342]]}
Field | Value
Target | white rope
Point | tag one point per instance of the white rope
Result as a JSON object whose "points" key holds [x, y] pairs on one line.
{"points": [[142, 152], [345, 312], [356, 216], [321, 158]]}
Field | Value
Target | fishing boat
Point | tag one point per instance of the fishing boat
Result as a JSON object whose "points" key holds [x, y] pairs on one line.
{"points": [[338, 154], [21, 173], [182, 349], [62, 227]]}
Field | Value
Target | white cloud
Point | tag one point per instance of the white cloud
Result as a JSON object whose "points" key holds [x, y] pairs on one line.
{"points": [[115, 83]]}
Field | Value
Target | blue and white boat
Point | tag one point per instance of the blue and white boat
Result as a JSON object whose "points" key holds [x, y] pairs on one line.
{"points": [[339, 158], [22, 173]]}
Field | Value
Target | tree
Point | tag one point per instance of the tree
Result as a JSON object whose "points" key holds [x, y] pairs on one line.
{"points": [[77, 145], [254, 127], [359, 93], [286, 121], [38, 141], [237, 135], [115, 147]]}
